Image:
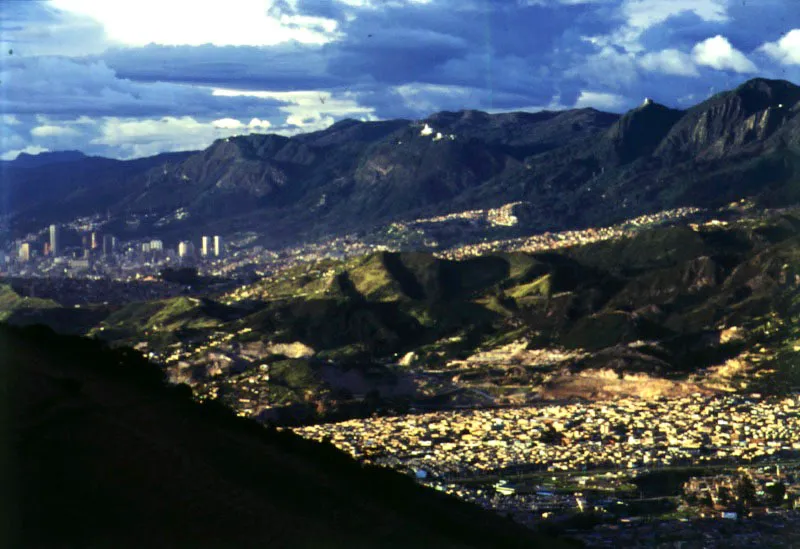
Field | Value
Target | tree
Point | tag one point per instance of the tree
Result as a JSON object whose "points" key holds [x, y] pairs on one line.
{"points": [[776, 492], [551, 436], [745, 490]]}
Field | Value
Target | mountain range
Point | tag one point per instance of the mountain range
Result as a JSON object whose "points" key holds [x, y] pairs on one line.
{"points": [[575, 168]]}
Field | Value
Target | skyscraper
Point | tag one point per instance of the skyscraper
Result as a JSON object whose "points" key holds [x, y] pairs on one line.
{"points": [[205, 248], [219, 246], [95, 241], [185, 249], [25, 252], [109, 245], [55, 240]]}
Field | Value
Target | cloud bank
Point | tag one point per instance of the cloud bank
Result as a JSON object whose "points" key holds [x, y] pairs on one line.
{"points": [[127, 79]]}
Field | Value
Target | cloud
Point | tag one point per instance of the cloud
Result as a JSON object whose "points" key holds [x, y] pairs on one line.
{"points": [[609, 68], [643, 14], [600, 100], [718, 53], [91, 69], [638, 17], [561, 2], [308, 109], [785, 51], [669, 61], [31, 149], [9, 120], [227, 123], [256, 123], [281, 67], [135, 137], [49, 130], [188, 22], [56, 86], [36, 28]]}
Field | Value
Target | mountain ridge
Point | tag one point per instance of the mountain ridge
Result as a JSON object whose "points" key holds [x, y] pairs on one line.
{"points": [[579, 167]]}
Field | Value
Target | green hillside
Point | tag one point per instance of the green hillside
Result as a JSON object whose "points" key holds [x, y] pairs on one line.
{"points": [[711, 304]]}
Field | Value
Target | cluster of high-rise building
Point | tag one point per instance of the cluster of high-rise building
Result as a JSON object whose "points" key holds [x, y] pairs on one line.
{"points": [[209, 247], [94, 245], [53, 247], [154, 246]]}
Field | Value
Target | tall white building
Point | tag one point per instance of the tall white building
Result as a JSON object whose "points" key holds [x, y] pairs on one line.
{"points": [[55, 241], [185, 249], [156, 245], [205, 249], [25, 252], [219, 246]]}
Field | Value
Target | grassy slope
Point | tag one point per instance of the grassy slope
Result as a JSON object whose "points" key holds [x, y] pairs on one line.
{"points": [[11, 302]]}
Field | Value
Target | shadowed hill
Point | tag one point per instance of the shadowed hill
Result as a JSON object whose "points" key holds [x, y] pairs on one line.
{"points": [[105, 455]]}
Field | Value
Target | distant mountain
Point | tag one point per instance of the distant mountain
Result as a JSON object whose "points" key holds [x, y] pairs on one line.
{"points": [[99, 452], [50, 187], [25, 160], [577, 167]]}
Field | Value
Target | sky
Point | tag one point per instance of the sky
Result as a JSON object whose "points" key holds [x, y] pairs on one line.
{"points": [[132, 78]]}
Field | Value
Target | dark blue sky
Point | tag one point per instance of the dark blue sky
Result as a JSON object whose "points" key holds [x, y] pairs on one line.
{"points": [[128, 78]]}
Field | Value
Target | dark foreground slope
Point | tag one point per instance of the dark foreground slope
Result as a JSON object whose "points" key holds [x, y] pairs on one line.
{"points": [[105, 455]]}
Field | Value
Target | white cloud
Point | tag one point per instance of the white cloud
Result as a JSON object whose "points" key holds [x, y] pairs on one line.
{"points": [[136, 137], [608, 68], [599, 100], [50, 130], [669, 61], [234, 124], [427, 98], [718, 53], [786, 50], [309, 110], [561, 2], [189, 22], [33, 28], [375, 4], [133, 137], [257, 123], [643, 14], [31, 149], [9, 120], [227, 123]]}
